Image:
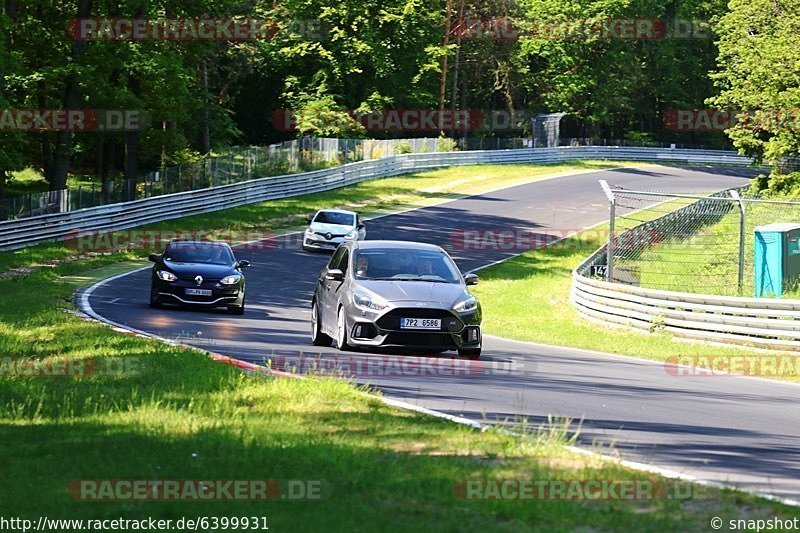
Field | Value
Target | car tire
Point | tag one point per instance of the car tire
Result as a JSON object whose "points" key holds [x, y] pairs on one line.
{"points": [[473, 354], [237, 309], [341, 331], [318, 338], [155, 303]]}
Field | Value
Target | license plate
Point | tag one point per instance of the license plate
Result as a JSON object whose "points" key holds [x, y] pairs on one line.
{"points": [[420, 323], [198, 292]]}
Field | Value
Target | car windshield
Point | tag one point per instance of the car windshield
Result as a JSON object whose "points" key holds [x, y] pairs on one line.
{"points": [[212, 254], [403, 264], [332, 217]]}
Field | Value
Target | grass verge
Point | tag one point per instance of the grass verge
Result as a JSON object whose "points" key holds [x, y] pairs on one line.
{"points": [[167, 413], [163, 413]]}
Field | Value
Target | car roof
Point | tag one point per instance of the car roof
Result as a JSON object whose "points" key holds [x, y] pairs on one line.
{"points": [[343, 211], [403, 245], [199, 243]]}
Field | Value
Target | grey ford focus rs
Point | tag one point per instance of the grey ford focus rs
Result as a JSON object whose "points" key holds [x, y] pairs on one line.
{"points": [[395, 294]]}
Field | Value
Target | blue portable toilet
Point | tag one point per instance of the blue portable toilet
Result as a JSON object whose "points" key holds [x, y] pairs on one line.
{"points": [[777, 258]]}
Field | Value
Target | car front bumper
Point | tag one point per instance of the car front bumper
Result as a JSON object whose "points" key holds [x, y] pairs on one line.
{"points": [[174, 292], [319, 242], [382, 329]]}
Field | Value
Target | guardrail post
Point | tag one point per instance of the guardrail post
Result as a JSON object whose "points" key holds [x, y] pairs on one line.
{"points": [[612, 215], [742, 236]]}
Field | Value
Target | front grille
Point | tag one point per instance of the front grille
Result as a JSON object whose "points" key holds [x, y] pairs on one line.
{"points": [[333, 235], [420, 339], [207, 282], [391, 320], [364, 330]]}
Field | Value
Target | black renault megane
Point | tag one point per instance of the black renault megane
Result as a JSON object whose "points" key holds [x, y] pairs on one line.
{"points": [[198, 273]]}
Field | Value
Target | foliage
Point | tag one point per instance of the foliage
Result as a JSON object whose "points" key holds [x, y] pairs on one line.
{"points": [[445, 144], [403, 148], [758, 76]]}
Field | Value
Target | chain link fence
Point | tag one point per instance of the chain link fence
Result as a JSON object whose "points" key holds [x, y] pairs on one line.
{"points": [[695, 242]]}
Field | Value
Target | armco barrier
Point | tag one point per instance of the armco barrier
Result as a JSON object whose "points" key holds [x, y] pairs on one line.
{"points": [[29, 231], [766, 323]]}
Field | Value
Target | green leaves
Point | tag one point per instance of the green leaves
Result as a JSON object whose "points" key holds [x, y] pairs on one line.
{"points": [[758, 75]]}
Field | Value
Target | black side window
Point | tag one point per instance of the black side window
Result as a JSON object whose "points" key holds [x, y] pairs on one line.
{"points": [[336, 259], [344, 262]]}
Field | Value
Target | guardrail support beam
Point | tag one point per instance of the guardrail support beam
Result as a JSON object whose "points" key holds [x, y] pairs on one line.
{"points": [[612, 215], [742, 237]]}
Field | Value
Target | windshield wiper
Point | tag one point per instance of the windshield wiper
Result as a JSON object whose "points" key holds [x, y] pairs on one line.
{"points": [[408, 279]]}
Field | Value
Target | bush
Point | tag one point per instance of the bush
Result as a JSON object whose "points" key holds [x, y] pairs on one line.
{"points": [[445, 144], [779, 183], [403, 148], [640, 138]]}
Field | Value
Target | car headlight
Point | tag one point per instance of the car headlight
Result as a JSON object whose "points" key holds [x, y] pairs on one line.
{"points": [[366, 302], [165, 275], [309, 231], [231, 280], [470, 304], [352, 235]]}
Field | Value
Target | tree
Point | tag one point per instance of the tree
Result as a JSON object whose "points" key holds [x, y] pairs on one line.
{"points": [[758, 77]]}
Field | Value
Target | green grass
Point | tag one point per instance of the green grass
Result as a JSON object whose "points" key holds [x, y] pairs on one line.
{"points": [[31, 180], [707, 262], [175, 414]]}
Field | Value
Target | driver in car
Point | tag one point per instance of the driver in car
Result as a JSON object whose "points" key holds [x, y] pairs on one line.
{"points": [[424, 267], [363, 266]]}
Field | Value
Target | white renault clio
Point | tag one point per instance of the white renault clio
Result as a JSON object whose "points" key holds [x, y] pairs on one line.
{"points": [[329, 228]]}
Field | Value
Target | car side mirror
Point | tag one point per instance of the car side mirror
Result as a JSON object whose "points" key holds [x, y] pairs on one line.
{"points": [[155, 258], [308, 219], [471, 279], [334, 274], [244, 263], [360, 226]]}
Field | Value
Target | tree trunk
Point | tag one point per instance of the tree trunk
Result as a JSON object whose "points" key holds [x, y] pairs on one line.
{"points": [[131, 172], [456, 65], [62, 154], [443, 78], [204, 144], [11, 13], [107, 169]]}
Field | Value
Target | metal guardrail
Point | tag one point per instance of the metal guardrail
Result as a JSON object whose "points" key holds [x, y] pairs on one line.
{"points": [[33, 230], [761, 322], [766, 323]]}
